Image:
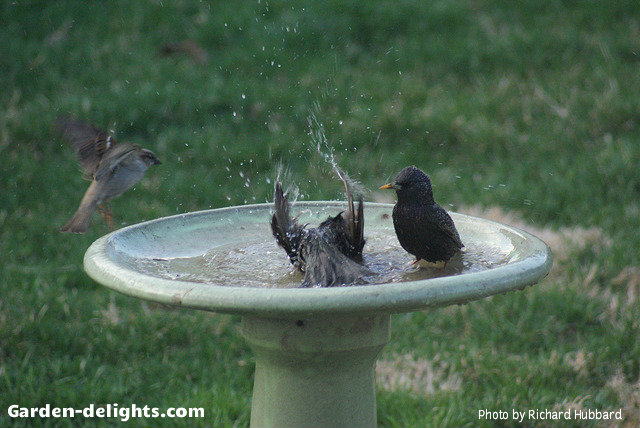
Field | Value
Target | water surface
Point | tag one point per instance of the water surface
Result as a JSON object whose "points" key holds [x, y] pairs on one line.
{"points": [[255, 260]]}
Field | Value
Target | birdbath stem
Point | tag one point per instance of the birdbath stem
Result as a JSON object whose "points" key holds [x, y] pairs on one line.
{"points": [[315, 372]]}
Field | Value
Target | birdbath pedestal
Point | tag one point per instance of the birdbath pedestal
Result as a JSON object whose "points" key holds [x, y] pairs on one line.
{"points": [[315, 348]]}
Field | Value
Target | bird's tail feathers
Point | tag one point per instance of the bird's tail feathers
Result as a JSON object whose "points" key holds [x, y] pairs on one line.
{"points": [[79, 223], [285, 229]]}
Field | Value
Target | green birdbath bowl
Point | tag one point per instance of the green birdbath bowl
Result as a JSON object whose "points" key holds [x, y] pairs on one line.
{"points": [[315, 348]]}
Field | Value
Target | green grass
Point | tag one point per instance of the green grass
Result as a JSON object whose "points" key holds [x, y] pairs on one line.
{"points": [[532, 107]]}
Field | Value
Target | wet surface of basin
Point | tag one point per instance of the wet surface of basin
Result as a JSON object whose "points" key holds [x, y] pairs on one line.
{"points": [[226, 260]]}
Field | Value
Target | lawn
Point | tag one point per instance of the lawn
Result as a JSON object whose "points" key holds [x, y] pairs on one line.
{"points": [[524, 112]]}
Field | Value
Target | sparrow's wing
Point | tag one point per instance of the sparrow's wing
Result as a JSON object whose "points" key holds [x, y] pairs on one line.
{"points": [[287, 231], [113, 159], [90, 143]]}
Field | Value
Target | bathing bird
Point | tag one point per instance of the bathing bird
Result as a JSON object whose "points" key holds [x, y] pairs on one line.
{"points": [[328, 255], [112, 169], [424, 229]]}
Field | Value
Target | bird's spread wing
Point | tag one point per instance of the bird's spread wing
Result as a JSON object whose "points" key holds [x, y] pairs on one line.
{"points": [[354, 222], [355, 229], [112, 160], [90, 143], [287, 231]]}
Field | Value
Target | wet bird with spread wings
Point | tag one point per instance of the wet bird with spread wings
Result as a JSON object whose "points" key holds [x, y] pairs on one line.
{"points": [[112, 168], [328, 255], [424, 229]]}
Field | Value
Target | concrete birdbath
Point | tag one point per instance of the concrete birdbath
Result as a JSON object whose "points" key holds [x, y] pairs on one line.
{"points": [[315, 348]]}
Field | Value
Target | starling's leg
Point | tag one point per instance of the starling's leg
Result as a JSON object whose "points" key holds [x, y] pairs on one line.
{"points": [[439, 266], [416, 261], [106, 214]]}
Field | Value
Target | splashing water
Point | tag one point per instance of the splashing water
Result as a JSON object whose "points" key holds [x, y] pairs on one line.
{"points": [[283, 175], [326, 151]]}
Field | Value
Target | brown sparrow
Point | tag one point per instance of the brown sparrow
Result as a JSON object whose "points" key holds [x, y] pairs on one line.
{"points": [[112, 169]]}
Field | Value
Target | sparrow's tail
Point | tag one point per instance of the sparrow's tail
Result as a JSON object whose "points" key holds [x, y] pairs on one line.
{"points": [[79, 223]]}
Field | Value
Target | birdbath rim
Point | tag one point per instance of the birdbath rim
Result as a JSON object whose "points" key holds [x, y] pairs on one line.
{"points": [[532, 263]]}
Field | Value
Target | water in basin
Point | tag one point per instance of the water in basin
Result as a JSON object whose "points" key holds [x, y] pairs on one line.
{"points": [[255, 260]]}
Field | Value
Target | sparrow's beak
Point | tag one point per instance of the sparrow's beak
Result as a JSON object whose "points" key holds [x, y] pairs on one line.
{"points": [[389, 186]]}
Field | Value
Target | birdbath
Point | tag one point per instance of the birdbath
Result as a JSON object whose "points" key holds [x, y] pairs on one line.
{"points": [[315, 348]]}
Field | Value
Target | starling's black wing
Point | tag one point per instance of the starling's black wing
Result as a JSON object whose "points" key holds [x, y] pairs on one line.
{"points": [[353, 222], [90, 143], [324, 264], [445, 223], [426, 231], [355, 229], [287, 231]]}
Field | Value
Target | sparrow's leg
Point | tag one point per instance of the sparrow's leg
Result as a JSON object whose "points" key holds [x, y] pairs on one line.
{"points": [[105, 210]]}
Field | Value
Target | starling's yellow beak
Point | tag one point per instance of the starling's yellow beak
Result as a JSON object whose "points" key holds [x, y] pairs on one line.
{"points": [[389, 186]]}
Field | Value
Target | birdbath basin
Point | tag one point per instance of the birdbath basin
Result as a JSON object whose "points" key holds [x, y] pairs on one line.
{"points": [[315, 348]]}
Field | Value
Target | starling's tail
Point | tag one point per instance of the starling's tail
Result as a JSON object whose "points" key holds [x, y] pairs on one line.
{"points": [[287, 231], [325, 265]]}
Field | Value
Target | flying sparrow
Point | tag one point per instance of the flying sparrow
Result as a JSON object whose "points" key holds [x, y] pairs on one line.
{"points": [[112, 169], [423, 227], [330, 254]]}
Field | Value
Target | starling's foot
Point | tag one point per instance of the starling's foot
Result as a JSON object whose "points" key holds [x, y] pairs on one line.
{"points": [[432, 265], [416, 261]]}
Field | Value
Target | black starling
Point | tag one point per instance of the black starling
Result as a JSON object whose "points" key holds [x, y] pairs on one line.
{"points": [[330, 254], [423, 227]]}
